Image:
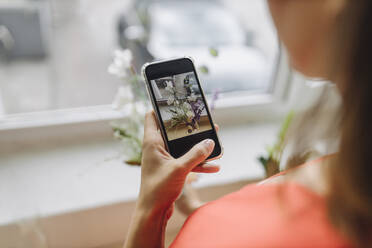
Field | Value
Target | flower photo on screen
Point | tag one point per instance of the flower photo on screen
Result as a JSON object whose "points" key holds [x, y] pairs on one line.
{"points": [[181, 105]]}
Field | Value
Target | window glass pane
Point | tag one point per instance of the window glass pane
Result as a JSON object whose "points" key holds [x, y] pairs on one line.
{"points": [[54, 54]]}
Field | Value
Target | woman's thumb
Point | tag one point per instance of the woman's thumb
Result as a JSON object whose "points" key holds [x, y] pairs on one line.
{"points": [[198, 154]]}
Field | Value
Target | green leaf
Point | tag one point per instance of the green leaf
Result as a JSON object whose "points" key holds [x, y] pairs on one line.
{"points": [[284, 128], [213, 52], [270, 150], [263, 160], [204, 69]]}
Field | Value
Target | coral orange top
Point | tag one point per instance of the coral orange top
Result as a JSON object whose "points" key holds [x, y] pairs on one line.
{"points": [[269, 215]]}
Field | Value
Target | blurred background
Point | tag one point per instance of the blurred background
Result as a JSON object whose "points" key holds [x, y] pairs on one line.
{"points": [[54, 53], [63, 182]]}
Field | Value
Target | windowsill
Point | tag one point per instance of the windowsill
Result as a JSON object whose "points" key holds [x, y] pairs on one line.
{"points": [[63, 178], [229, 108], [105, 112]]}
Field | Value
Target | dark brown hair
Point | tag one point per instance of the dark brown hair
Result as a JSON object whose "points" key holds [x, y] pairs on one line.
{"points": [[349, 172], [350, 196]]}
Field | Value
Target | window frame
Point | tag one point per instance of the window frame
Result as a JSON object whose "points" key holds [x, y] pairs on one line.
{"points": [[93, 120]]}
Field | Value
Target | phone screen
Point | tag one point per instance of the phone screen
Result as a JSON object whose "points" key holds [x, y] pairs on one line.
{"points": [[181, 105]]}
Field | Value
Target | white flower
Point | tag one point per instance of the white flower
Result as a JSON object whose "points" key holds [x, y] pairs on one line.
{"points": [[123, 57], [121, 64], [117, 71], [189, 114], [169, 86], [123, 97], [186, 105], [179, 111], [191, 98], [117, 134], [170, 100]]}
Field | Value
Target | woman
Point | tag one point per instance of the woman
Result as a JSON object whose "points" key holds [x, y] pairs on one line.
{"points": [[328, 39]]}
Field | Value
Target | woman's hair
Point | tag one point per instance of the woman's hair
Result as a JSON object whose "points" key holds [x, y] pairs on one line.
{"points": [[350, 129], [350, 172]]}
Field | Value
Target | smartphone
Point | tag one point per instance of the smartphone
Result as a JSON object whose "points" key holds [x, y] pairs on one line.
{"points": [[180, 106]]}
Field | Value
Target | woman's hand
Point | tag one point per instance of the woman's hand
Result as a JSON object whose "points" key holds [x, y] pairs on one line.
{"points": [[163, 177], [162, 180]]}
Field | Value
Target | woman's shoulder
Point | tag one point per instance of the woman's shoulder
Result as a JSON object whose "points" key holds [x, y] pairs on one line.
{"points": [[261, 215], [311, 175], [267, 215]]}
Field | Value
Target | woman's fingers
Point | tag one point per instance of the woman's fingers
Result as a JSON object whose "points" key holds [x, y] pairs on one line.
{"points": [[206, 168], [195, 156], [199, 153], [151, 133], [150, 124]]}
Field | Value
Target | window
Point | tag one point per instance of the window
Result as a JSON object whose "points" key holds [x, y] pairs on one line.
{"points": [[54, 54], [247, 47], [62, 63]]}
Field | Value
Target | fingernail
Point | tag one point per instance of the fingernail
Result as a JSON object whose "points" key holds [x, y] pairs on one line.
{"points": [[209, 143]]}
